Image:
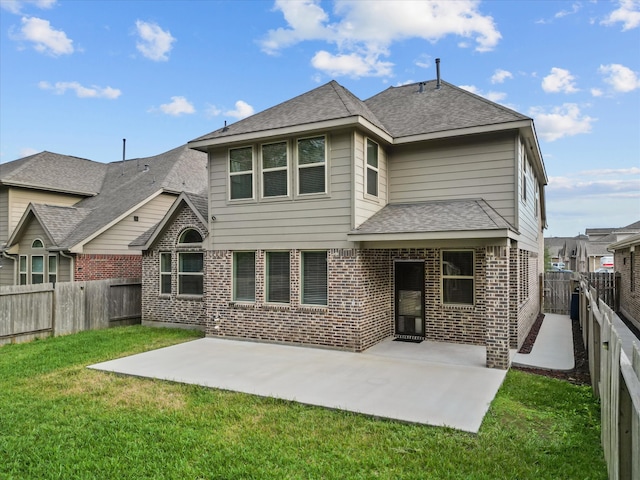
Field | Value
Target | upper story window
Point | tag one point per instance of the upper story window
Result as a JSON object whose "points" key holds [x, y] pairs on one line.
{"points": [[457, 277], [241, 173], [37, 243], [275, 172], [312, 162], [372, 168]]}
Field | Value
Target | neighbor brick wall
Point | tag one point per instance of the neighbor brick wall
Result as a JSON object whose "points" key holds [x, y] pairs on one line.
{"points": [[629, 299], [99, 267]]}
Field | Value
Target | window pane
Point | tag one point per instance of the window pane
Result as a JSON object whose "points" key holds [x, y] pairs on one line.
{"points": [[275, 183], [37, 244], [165, 283], [457, 263], [314, 278], [372, 182], [245, 276], [37, 264], [274, 155], [37, 278], [311, 150], [23, 279], [191, 262], [372, 154], [241, 159], [241, 186], [52, 279], [53, 265], [457, 290], [190, 284], [312, 180], [190, 236], [165, 262], [278, 277], [23, 263]]}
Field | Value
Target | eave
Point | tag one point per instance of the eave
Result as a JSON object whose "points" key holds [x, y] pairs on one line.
{"points": [[500, 234]]}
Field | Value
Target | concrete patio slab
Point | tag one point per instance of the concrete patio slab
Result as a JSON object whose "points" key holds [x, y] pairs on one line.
{"points": [[553, 348], [429, 383]]}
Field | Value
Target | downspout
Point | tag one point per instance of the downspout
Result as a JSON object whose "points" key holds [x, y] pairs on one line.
{"points": [[72, 261]]}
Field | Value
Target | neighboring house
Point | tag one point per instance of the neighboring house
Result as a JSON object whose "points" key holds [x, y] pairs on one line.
{"points": [[337, 222], [67, 219], [627, 264], [592, 252], [562, 251]]}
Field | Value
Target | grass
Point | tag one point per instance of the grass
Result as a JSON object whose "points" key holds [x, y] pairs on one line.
{"points": [[60, 420]]}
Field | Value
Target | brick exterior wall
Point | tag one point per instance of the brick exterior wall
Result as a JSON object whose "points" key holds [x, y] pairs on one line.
{"points": [[529, 303], [172, 309], [629, 297], [497, 307], [100, 267]]}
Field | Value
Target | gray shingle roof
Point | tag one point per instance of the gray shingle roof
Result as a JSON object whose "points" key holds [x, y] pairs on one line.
{"points": [[52, 171], [435, 216], [407, 111], [60, 221]]}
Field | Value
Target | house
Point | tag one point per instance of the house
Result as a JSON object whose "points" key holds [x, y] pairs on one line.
{"points": [[562, 252], [64, 218], [331, 221], [626, 263]]}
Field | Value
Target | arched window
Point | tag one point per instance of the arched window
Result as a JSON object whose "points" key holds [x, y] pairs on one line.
{"points": [[37, 243], [190, 235]]}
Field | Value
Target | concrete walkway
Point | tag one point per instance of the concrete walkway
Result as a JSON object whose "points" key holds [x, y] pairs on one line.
{"points": [[432, 383]]}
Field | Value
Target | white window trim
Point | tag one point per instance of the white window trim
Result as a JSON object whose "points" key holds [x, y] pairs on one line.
{"points": [[471, 277], [276, 169], [31, 257], [302, 273], [49, 274], [23, 272], [375, 169], [244, 172], [234, 276], [267, 277], [309, 165], [179, 274], [164, 273]]}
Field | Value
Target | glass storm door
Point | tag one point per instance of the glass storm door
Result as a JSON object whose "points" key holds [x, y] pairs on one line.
{"points": [[409, 298]]}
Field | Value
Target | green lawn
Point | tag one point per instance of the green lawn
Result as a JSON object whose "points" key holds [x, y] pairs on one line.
{"points": [[61, 420]]}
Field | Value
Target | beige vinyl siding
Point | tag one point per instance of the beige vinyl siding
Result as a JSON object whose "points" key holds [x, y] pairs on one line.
{"points": [[4, 215], [314, 221], [474, 167], [116, 239], [528, 220], [364, 205], [64, 269], [31, 232], [7, 271], [20, 198]]}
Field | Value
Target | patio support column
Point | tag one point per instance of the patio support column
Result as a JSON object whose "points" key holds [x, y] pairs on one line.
{"points": [[497, 307]]}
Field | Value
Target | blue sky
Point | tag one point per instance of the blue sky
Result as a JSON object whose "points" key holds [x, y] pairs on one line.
{"points": [[76, 77]]}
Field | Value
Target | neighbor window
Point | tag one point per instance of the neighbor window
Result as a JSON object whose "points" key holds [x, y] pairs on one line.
{"points": [[241, 173], [244, 276], [457, 277], [37, 269], [53, 268], [278, 277], [190, 273], [165, 273], [23, 269], [314, 278], [275, 177], [312, 165], [372, 168]]}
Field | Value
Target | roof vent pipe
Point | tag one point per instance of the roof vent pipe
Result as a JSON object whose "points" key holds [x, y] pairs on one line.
{"points": [[124, 142], [421, 89], [437, 74]]}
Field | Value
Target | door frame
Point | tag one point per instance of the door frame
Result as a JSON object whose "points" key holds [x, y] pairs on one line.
{"points": [[407, 336]]}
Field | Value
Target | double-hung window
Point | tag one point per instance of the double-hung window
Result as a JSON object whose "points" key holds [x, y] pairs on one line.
{"points": [[372, 168], [241, 173], [165, 273], [37, 269], [244, 276], [190, 273], [23, 270], [457, 277], [314, 278], [53, 268], [275, 172], [278, 277], [312, 164]]}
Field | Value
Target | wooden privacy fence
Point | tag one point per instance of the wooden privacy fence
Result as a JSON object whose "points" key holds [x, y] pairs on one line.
{"points": [[615, 378], [36, 311], [558, 288]]}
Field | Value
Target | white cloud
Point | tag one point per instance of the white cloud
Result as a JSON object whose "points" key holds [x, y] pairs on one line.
{"points": [[564, 121], [364, 31], [596, 92], [493, 96], [621, 78], [44, 37], [500, 76], [628, 13], [15, 6], [178, 106], [154, 43], [82, 92], [563, 13], [423, 61], [559, 80], [27, 151], [242, 110]]}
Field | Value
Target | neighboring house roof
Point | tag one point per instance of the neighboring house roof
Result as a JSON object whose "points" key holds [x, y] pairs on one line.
{"points": [[626, 243], [55, 172], [127, 186], [197, 203], [453, 218]]}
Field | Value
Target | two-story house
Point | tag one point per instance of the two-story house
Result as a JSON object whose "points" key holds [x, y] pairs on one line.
{"points": [[64, 218], [332, 221]]}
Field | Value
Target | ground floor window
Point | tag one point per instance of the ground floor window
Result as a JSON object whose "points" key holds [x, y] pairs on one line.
{"points": [[457, 277], [53, 268], [23, 270], [165, 273], [278, 277], [190, 273], [314, 278], [244, 276]]}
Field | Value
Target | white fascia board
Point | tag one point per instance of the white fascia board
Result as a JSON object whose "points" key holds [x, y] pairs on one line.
{"points": [[448, 235], [78, 247], [305, 128]]}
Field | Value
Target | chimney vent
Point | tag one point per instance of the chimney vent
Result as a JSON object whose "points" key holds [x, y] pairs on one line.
{"points": [[438, 74]]}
